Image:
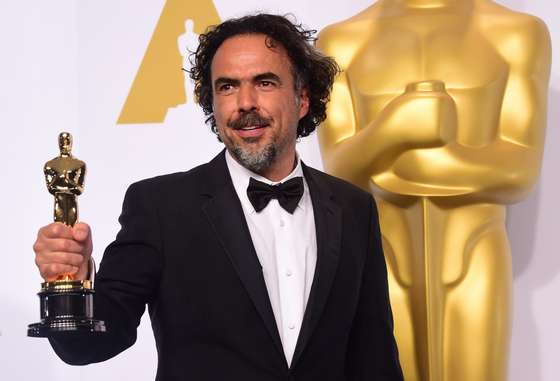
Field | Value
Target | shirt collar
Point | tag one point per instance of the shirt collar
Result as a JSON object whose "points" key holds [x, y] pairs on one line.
{"points": [[241, 176]]}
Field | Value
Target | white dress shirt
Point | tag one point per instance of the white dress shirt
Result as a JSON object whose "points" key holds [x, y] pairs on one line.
{"points": [[286, 247]]}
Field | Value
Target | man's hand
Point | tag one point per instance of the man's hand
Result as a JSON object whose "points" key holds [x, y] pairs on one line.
{"points": [[63, 250]]}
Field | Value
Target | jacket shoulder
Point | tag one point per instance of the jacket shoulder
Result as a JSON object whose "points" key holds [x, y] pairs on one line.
{"points": [[163, 184]]}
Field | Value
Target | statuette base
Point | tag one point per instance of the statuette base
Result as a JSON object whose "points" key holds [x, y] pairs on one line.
{"points": [[66, 307]]}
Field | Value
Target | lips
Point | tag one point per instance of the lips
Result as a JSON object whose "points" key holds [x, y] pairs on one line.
{"points": [[251, 131], [247, 128]]}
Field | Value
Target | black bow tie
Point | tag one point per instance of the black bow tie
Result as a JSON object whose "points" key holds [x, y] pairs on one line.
{"points": [[288, 193]]}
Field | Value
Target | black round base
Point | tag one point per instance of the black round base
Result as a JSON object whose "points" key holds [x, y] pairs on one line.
{"points": [[61, 326], [66, 308]]}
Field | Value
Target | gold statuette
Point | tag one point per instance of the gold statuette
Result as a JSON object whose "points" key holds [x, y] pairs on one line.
{"points": [[66, 304], [65, 180], [65, 177], [440, 113]]}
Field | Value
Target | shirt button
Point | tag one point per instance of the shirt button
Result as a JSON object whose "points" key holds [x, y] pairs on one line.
{"points": [[288, 272], [282, 223], [292, 326]]}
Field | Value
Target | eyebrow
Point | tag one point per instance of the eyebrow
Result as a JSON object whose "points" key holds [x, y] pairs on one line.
{"points": [[259, 77], [267, 76]]}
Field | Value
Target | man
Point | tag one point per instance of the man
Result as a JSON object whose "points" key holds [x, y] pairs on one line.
{"points": [[244, 280]]}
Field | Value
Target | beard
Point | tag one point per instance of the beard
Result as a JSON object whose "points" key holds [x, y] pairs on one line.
{"points": [[249, 154], [256, 161]]}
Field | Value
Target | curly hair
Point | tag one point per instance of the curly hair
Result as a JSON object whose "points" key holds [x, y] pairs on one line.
{"points": [[311, 69]]}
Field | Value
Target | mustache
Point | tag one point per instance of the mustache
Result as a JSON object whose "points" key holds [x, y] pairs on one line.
{"points": [[251, 118]]}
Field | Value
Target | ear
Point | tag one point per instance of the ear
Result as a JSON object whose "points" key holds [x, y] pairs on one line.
{"points": [[303, 102]]}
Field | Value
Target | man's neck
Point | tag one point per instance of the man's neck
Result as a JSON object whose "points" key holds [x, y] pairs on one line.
{"points": [[278, 170]]}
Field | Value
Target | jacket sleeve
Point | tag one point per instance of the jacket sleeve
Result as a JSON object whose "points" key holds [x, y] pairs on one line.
{"points": [[128, 278], [372, 350]]}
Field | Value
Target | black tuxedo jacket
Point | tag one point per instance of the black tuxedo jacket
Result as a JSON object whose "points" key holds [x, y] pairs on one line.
{"points": [[184, 249]]}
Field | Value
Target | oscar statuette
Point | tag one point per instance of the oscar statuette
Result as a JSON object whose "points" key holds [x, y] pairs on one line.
{"points": [[66, 303]]}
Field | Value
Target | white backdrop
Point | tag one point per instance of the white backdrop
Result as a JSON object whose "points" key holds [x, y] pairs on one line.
{"points": [[69, 64]]}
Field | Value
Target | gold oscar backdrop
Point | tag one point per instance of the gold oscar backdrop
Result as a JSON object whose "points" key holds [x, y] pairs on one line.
{"points": [[159, 83], [440, 112]]}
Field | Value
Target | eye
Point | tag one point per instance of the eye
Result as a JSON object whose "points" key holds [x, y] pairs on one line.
{"points": [[225, 87], [267, 84]]}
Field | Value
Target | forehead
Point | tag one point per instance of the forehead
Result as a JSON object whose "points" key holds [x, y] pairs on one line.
{"points": [[248, 55]]}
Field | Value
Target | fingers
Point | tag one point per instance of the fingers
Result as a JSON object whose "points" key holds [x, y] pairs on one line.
{"points": [[52, 271], [58, 244], [55, 230], [61, 258]]}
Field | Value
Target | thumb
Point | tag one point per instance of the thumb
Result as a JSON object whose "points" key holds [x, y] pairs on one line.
{"points": [[81, 232]]}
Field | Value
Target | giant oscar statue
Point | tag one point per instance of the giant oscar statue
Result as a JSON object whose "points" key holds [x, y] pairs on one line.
{"points": [[440, 113]]}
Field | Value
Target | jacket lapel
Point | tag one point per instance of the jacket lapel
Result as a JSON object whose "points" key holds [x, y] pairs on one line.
{"points": [[328, 225], [225, 214]]}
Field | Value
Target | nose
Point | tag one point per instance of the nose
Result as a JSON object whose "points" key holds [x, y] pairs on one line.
{"points": [[247, 98]]}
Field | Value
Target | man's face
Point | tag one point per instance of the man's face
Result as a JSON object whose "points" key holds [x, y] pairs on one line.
{"points": [[255, 103]]}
